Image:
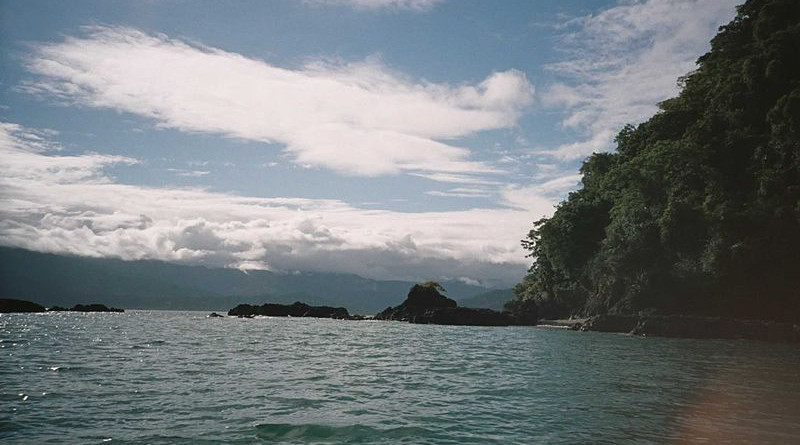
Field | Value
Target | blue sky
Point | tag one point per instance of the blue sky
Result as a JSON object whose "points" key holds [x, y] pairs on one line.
{"points": [[408, 139]]}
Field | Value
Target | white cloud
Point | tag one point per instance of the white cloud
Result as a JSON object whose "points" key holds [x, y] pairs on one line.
{"points": [[457, 178], [189, 173], [462, 192], [539, 196], [66, 204], [410, 5], [624, 60], [355, 118]]}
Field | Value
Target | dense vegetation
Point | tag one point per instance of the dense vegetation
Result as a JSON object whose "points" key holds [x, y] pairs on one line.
{"points": [[698, 210]]}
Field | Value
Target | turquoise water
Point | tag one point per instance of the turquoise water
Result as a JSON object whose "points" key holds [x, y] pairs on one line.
{"points": [[178, 377]]}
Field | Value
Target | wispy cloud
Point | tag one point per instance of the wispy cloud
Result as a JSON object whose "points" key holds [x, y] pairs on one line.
{"points": [[189, 173], [623, 61], [356, 118], [462, 192], [396, 5], [66, 204]]}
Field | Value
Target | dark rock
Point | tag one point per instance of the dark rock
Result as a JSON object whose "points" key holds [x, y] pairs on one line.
{"points": [[95, 307], [9, 305], [420, 299], [687, 326], [296, 309], [610, 323], [57, 309], [215, 315], [425, 305], [427, 297], [523, 312], [462, 316]]}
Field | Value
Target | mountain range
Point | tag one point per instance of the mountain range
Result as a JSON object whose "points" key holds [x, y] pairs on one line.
{"points": [[67, 280]]}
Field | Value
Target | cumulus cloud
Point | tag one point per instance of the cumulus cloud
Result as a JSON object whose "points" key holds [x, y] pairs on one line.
{"points": [[56, 203], [624, 60], [355, 118]]}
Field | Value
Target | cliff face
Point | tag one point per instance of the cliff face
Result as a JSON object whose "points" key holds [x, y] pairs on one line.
{"points": [[698, 210]]}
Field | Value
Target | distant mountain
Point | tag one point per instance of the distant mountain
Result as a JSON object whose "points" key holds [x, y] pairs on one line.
{"points": [[67, 280], [493, 299]]}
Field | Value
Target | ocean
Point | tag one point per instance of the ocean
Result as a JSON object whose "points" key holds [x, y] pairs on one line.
{"points": [[161, 377]]}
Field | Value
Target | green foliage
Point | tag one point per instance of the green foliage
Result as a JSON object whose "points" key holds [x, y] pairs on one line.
{"points": [[435, 285], [698, 210]]}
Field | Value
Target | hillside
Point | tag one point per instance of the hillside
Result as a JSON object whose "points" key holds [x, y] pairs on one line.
{"points": [[698, 210], [493, 299], [66, 280]]}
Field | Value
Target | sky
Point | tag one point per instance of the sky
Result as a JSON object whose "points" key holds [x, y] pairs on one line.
{"points": [[393, 139]]}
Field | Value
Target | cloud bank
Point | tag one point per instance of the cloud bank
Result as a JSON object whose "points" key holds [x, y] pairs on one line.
{"points": [[624, 60], [354, 118], [55, 203]]}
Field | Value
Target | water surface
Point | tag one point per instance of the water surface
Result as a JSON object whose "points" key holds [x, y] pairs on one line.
{"points": [[178, 377]]}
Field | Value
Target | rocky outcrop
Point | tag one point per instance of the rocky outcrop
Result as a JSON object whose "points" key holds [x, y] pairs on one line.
{"points": [[687, 326], [421, 300], [296, 309], [425, 305], [463, 316], [95, 307], [9, 305], [215, 315]]}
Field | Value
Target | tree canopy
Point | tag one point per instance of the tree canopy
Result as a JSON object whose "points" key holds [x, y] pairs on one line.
{"points": [[698, 209]]}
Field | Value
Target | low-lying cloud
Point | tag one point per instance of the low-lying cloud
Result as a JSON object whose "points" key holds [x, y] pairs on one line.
{"points": [[56, 203]]}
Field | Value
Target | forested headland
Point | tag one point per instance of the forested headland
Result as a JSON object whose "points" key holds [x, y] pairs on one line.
{"points": [[697, 211]]}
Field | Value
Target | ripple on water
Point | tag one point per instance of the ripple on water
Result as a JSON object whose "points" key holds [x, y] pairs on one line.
{"points": [[177, 377], [314, 433]]}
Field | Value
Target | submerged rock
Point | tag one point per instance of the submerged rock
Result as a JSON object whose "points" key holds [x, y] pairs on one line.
{"points": [[95, 307], [297, 309], [214, 315], [10, 305]]}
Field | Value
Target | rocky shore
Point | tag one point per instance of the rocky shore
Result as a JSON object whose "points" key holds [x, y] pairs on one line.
{"points": [[296, 309], [425, 305], [687, 326]]}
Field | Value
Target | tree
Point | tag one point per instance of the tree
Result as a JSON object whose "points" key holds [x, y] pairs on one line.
{"points": [[698, 210]]}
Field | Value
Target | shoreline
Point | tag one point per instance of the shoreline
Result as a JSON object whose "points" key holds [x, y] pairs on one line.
{"points": [[690, 326]]}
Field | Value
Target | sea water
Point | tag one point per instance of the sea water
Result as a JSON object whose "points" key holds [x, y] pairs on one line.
{"points": [[158, 377]]}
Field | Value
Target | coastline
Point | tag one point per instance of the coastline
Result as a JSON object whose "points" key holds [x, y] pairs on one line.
{"points": [[687, 326]]}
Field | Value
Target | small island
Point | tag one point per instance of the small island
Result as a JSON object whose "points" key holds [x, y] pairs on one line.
{"points": [[426, 305], [10, 305], [296, 309]]}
